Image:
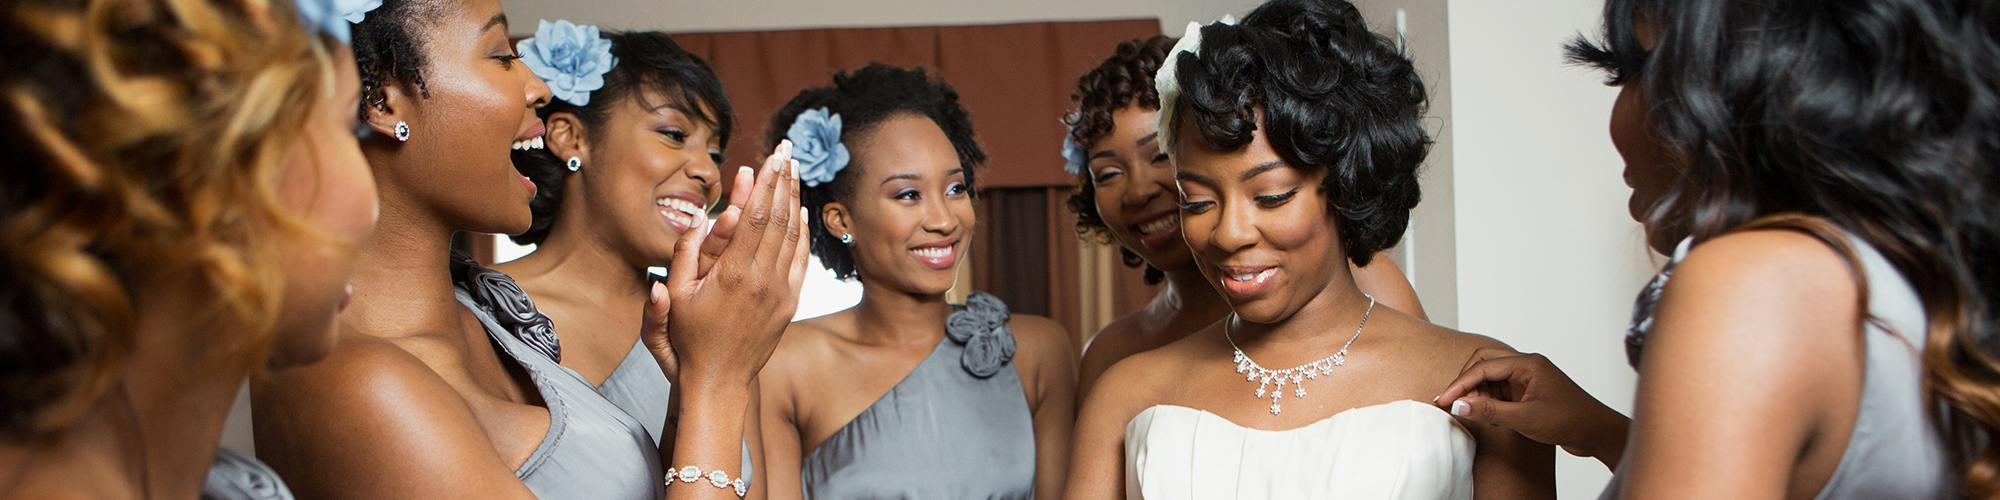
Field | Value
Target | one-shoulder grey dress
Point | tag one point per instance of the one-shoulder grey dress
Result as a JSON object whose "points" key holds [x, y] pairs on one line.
{"points": [[593, 449], [638, 386], [1894, 451], [958, 426]]}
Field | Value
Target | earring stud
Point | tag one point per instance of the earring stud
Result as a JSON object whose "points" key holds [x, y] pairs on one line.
{"points": [[574, 164], [402, 132], [847, 239]]}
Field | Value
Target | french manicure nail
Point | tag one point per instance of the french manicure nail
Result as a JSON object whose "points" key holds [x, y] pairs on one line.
{"points": [[1459, 408]]}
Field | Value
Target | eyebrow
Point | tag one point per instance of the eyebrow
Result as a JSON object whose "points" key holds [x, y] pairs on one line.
{"points": [[1142, 141], [1259, 170], [497, 20], [1148, 138], [914, 177]]}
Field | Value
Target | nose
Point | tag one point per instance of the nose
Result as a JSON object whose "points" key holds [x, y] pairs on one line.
{"points": [[538, 91], [1236, 229], [938, 217], [703, 169], [1148, 183]]}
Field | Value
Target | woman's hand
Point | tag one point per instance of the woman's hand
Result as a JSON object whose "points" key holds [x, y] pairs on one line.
{"points": [[1527, 393], [653, 327], [726, 317]]}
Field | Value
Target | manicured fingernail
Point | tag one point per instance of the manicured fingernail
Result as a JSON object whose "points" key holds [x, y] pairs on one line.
{"points": [[1461, 409], [1435, 400]]}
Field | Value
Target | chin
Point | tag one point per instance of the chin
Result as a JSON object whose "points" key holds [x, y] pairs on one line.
{"points": [[301, 346]]}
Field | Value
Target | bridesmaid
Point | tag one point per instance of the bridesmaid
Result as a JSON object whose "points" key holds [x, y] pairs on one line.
{"points": [[905, 395], [1823, 175], [627, 167], [445, 383], [1126, 194], [170, 232]]}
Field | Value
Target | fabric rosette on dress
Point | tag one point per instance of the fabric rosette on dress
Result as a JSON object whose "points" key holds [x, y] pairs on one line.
{"points": [[816, 145], [510, 306], [571, 58], [981, 326]]}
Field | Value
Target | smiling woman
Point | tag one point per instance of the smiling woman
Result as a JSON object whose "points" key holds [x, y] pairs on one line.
{"points": [[1296, 139], [906, 395]]}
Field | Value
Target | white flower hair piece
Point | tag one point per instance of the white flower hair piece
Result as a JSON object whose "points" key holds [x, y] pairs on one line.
{"points": [[1169, 88], [571, 58]]}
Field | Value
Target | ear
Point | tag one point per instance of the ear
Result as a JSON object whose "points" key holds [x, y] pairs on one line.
{"points": [[565, 137], [836, 219], [393, 109]]}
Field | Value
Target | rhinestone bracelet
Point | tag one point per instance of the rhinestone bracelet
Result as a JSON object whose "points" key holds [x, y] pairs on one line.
{"points": [[717, 478]]}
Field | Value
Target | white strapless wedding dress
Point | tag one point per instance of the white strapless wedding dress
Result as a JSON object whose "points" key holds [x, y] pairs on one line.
{"points": [[1397, 450]]}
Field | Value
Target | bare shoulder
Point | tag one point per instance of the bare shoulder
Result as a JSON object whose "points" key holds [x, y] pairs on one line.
{"points": [[804, 346], [1042, 338], [363, 379], [1767, 260], [1123, 337], [1138, 377]]}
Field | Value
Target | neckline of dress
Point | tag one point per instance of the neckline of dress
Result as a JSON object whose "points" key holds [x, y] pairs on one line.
{"points": [[1323, 421]]}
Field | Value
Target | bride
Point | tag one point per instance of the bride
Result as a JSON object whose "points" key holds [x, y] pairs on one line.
{"points": [[1296, 136]]}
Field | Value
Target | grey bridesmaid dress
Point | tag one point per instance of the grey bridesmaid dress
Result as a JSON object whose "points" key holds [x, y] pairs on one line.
{"points": [[958, 426], [593, 449]]}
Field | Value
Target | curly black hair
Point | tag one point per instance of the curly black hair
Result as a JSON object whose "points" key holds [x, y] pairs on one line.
{"points": [[864, 99], [389, 49], [1329, 94], [647, 60], [1125, 79]]}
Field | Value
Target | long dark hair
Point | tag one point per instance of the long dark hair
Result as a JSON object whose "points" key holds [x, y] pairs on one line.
{"points": [[1877, 116]]}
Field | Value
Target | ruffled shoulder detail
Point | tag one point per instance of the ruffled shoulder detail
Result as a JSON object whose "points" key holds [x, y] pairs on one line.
{"points": [[234, 476], [510, 306], [981, 326]]}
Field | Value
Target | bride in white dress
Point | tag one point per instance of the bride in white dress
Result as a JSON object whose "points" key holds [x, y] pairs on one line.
{"points": [[1297, 143]]}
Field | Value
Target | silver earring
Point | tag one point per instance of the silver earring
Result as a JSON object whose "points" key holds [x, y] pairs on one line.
{"points": [[402, 132], [574, 164], [847, 239]]}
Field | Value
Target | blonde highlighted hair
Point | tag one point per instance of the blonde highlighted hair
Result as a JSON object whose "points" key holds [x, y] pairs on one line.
{"points": [[144, 137]]}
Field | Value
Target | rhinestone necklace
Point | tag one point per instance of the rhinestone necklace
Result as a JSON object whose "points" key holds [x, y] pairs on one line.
{"points": [[1266, 377]]}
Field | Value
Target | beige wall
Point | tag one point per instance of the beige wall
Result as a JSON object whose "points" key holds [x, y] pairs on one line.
{"points": [[1548, 260]]}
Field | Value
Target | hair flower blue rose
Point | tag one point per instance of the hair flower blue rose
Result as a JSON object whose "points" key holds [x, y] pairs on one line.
{"points": [[815, 137], [572, 58], [1074, 157], [332, 17]]}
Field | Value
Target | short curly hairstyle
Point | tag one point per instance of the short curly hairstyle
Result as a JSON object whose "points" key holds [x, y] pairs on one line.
{"points": [[647, 60], [1123, 80], [1329, 94], [864, 99]]}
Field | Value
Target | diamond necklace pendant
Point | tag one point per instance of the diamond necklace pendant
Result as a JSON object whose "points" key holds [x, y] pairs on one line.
{"points": [[1296, 375]]}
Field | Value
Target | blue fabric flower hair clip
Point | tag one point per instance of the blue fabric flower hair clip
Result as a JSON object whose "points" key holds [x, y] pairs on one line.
{"points": [[1074, 157], [815, 137], [333, 17], [571, 58]]}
